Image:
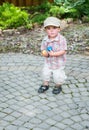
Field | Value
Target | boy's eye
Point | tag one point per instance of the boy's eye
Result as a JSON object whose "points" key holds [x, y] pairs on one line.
{"points": [[54, 27], [48, 28]]}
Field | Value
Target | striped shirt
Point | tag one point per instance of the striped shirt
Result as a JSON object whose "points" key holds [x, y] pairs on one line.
{"points": [[58, 44]]}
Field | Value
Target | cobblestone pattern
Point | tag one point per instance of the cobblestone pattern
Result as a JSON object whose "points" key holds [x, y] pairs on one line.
{"points": [[22, 108]]}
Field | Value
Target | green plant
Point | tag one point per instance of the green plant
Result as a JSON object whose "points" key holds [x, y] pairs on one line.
{"points": [[74, 8], [40, 12], [57, 11], [12, 17], [39, 18]]}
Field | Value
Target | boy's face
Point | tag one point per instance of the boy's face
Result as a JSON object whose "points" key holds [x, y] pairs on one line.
{"points": [[52, 31]]}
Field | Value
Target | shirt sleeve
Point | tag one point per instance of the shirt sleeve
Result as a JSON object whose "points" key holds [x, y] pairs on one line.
{"points": [[43, 44], [63, 43]]}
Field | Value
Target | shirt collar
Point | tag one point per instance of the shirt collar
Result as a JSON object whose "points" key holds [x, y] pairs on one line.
{"points": [[48, 40]]}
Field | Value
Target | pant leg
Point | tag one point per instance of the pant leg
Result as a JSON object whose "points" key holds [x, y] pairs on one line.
{"points": [[46, 73], [59, 76]]}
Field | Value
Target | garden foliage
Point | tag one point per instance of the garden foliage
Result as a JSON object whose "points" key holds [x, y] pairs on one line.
{"points": [[74, 8], [13, 17]]}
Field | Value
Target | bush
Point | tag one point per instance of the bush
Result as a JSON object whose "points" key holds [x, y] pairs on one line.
{"points": [[76, 8], [12, 17], [57, 11]]}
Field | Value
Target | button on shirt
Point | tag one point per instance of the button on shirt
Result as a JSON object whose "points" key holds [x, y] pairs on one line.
{"points": [[58, 44]]}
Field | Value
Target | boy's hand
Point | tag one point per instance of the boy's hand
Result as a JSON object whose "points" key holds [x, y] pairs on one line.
{"points": [[51, 53], [45, 53], [55, 54]]}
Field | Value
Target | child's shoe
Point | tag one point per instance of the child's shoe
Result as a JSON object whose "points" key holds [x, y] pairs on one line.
{"points": [[57, 90], [43, 88]]}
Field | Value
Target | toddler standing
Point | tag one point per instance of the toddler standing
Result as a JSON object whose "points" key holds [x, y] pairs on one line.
{"points": [[53, 47]]}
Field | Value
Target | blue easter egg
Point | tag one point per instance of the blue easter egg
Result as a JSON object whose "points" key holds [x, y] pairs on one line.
{"points": [[49, 48]]}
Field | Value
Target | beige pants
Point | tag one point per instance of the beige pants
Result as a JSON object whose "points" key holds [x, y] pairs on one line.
{"points": [[59, 76]]}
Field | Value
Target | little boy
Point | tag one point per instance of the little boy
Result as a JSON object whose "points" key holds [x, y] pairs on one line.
{"points": [[53, 48]]}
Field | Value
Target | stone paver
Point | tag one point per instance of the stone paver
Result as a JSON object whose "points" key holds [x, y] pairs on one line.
{"points": [[22, 108]]}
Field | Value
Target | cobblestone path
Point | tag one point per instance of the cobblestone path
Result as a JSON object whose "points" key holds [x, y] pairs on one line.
{"points": [[22, 108]]}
